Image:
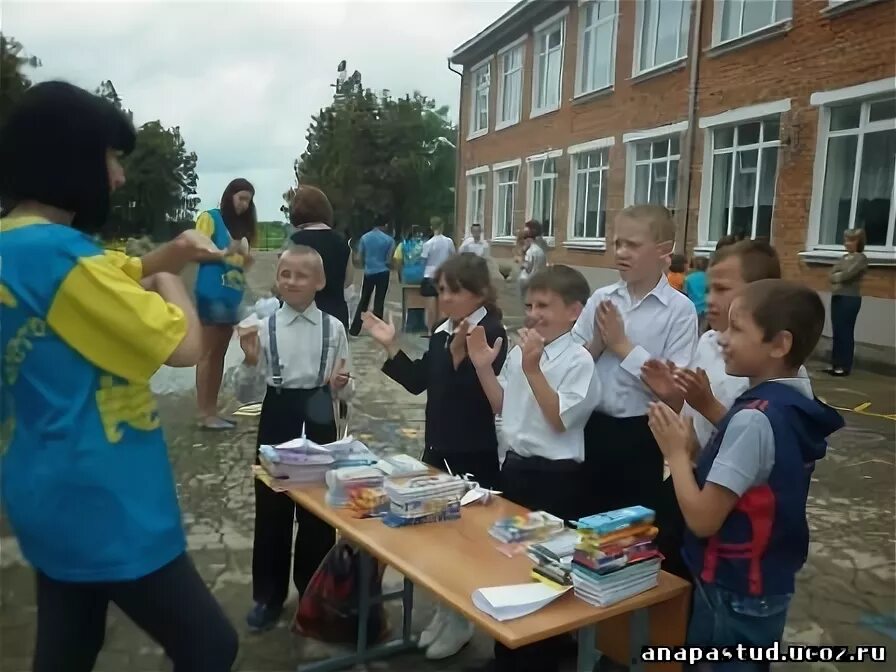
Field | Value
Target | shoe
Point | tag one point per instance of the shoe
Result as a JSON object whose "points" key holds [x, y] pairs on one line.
{"points": [[216, 424], [454, 636], [839, 373], [431, 632], [262, 617]]}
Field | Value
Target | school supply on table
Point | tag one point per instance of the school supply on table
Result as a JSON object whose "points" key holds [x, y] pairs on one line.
{"points": [[397, 466], [419, 499], [358, 489], [553, 557], [616, 556], [304, 461], [533, 526], [504, 603]]}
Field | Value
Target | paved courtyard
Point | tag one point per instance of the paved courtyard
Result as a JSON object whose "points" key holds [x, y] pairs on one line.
{"points": [[845, 594]]}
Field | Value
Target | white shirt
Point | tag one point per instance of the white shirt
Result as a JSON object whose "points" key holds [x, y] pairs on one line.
{"points": [[472, 319], [299, 349], [569, 369], [662, 325], [725, 388], [480, 249], [436, 251], [533, 262]]}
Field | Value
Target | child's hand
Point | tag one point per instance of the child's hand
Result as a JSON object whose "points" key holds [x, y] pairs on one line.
{"points": [[659, 376], [532, 345], [195, 246], [695, 387], [479, 351], [340, 376], [251, 346], [612, 329], [383, 332], [458, 345], [674, 435]]}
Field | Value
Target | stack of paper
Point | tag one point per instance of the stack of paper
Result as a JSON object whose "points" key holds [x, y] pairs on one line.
{"points": [[616, 556], [534, 526], [552, 558], [504, 603], [342, 482], [397, 466], [419, 499], [304, 461]]}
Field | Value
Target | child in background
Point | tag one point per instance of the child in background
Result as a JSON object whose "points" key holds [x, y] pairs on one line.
{"points": [[303, 354], [545, 394], [675, 275], [639, 318], [745, 503], [695, 288], [460, 425], [534, 259]]}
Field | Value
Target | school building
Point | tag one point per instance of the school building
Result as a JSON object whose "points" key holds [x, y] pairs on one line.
{"points": [[771, 118]]}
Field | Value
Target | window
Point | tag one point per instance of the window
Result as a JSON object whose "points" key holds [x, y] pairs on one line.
{"points": [[742, 17], [476, 186], [656, 171], [743, 170], [481, 81], [589, 194], [510, 87], [857, 188], [505, 201], [663, 32], [542, 190], [597, 46], [547, 76]]}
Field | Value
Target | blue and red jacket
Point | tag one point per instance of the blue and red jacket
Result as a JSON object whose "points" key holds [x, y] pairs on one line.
{"points": [[765, 540]]}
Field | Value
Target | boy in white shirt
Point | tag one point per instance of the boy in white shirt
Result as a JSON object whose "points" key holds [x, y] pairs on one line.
{"points": [[435, 252], [475, 244], [534, 259], [545, 394]]}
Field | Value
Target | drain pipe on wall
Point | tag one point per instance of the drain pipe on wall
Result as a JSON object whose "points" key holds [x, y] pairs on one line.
{"points": [[694, 59], [457, 141]]}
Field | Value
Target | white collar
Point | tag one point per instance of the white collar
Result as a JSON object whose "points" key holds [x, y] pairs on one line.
{"points": [[473, 319], [312, 314], [660, 291], [558, 346]]}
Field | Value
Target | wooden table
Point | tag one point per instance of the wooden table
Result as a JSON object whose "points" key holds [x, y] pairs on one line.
{"points": [[454, 558]]}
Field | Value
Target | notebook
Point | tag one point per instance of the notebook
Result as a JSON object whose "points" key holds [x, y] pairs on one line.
{"points": [[504, 603]]}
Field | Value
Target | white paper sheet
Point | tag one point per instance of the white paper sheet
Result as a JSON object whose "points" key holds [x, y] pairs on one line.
{"points": [[504, 603]]}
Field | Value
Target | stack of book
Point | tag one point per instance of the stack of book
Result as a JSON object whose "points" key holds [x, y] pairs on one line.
{"points": [[616, 557], [304, 461], [553, 557], [359, 489], [423, 499], [531, 527]]}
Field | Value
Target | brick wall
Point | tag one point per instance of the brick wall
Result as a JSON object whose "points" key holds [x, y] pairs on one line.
{"points": [[818, 52]]}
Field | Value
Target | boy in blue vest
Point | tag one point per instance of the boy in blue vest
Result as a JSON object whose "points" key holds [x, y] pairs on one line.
{"points": [[745, 502]]}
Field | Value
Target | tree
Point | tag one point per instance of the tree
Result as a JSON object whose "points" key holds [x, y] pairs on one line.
{"points": [[378, 155], [13, 80]]}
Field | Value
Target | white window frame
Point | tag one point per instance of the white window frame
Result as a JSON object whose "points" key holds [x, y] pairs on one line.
{"points": [[825, 100], [652, 135], [718, 16], [476, 90], [583, 242], [580, 89], [683, 36], [518, 45], [549, 230], [737, 117], [497, 169], [540, 32], [477, 181]]}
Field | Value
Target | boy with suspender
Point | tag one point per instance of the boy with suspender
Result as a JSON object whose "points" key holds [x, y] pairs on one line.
{"points": [[304, 353]]}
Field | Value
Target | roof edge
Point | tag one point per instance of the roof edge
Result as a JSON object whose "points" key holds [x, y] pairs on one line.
{"points": [[493, 27]]}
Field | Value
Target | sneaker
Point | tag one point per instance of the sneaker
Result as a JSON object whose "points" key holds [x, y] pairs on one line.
{"points": [[216, 424], [431, 632], [454, 636], [262, 617]]}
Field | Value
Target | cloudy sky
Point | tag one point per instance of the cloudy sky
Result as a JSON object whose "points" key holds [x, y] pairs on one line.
{"points": [[242, 78]]}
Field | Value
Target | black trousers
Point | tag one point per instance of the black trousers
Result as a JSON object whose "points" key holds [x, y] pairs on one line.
{"points": [[172, 605], [378, 282], [844, 313], [625, 468], [555, 486], [282, 415]]}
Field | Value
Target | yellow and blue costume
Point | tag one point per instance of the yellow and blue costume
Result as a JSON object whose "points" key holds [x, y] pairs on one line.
{"points": [[220, 284]]}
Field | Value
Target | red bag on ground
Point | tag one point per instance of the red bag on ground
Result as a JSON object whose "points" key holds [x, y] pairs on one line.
{"points": [[328, 611]]}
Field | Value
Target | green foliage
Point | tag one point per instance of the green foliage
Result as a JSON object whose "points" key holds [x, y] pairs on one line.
{"points": [[374, 154], [271, 235], [13, 80], [159, 197]]}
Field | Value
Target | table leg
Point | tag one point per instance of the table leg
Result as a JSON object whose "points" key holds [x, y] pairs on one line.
{"points": [[639, 637], [407, 608], [364, 574], [587, 657]]}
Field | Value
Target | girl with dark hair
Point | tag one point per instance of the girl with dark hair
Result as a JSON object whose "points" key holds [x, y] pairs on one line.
{"points": [[86, 481], [220, 287], [460, 424]]}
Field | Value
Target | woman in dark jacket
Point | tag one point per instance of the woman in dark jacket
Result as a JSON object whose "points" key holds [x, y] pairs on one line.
{"points": [[312, 214]]}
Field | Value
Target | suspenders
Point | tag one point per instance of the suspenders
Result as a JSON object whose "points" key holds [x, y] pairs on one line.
{"points": [[277, 370]]}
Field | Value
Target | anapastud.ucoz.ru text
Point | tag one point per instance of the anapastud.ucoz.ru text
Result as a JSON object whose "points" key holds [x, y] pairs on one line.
{"points": [[764, 654]]}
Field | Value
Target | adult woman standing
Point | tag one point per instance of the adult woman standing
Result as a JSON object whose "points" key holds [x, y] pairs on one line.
{"points": [[312, 214], [86, 481], [846, 300], [220, 287]]}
